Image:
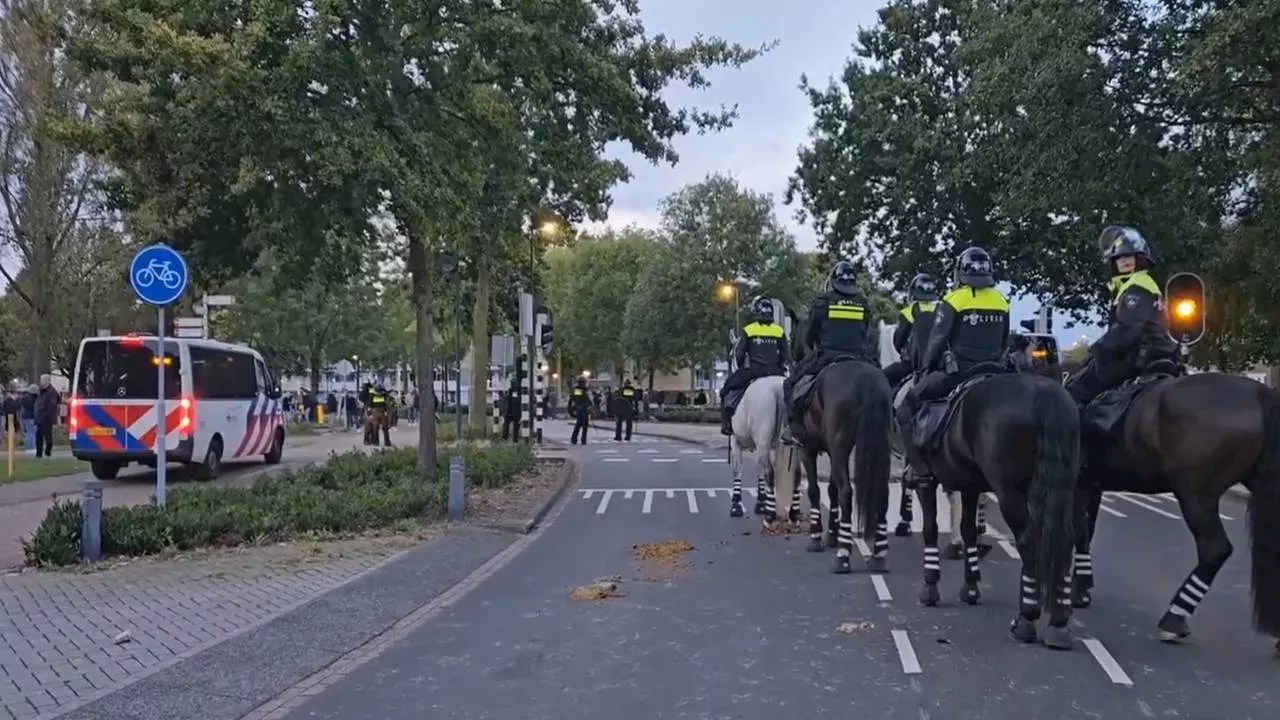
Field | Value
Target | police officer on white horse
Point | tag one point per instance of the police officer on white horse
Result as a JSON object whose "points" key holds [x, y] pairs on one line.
{"points": [[761, 351]]}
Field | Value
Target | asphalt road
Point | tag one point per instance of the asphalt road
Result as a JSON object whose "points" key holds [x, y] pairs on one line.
{"points": [[750, 628]]}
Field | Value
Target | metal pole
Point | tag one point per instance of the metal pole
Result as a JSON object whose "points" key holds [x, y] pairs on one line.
{"points": [[162, 425], [457, 381], [91, 521], [531, 365]]}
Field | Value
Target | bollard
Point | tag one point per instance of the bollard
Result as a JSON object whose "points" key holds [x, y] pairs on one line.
{"points": [[457, 487], [91, 521]]}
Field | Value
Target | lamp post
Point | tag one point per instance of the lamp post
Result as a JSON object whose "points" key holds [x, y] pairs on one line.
{"points": [[355, 359]]}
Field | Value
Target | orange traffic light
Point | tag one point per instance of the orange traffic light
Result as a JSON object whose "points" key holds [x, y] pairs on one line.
{"points": [[1184, 295]]}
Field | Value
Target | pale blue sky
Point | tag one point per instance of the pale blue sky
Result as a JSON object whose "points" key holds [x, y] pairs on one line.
{"points": [[815, 38]]}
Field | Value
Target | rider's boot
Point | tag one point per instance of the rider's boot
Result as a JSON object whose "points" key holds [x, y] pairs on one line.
{"points": [[726, 420]]}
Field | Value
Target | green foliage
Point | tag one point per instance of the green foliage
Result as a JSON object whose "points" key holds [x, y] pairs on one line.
{"points": [[350, 493], [1026, 127], [699, 415]]}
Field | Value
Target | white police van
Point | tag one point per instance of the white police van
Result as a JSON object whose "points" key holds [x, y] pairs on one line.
{"points": [[221, 404]]}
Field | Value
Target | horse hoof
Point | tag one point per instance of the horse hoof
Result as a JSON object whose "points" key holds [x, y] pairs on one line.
{"points": [[793, 517], [842, 566], [902, 530], [1173, 628], [970, 594], [952, 551], [759, 509], [877, 565], [1058, 638], [737, 511], [929, 596], [1081, 598], [1023, 630], [832, 541]]}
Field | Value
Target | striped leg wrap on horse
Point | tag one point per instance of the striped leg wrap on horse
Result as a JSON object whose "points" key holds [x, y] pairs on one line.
{"points": [[844, 542], [1084, 564], [971, 558], [1189, 596], [815, 523], [1027, 597], [770, 503], [932, 564], [982, 517], [904, 510], [737, 490], [1064, 591], [880, 547]]}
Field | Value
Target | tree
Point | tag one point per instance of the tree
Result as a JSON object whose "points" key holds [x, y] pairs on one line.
{"points": [[664, 321], [253, 127], [52, 221]]}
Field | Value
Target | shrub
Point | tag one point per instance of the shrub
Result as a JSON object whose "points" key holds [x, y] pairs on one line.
{"points": [[350, 493], [687, 414]]}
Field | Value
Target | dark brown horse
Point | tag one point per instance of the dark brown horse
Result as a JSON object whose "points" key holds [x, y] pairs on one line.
{"points": [[1196, 436], [848, 417]]}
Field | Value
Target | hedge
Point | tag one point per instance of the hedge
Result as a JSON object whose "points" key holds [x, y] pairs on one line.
{"points": [[350, 493], [687, 414]]}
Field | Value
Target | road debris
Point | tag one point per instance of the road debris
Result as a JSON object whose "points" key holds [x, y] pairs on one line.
{"points": [[663, 560], [597, 590], [849, 628]]}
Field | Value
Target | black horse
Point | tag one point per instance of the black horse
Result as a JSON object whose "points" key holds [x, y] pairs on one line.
{"points": [[848, 414], [1195, 436], [1017, 435]]}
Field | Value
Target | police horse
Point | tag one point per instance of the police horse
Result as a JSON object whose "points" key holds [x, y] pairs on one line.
{"points": [[757, 426], [1017, 435], [847, 416], [1195, 436]]}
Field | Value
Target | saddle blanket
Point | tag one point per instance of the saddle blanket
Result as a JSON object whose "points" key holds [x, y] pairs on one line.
{"points": [[1105, 414]]}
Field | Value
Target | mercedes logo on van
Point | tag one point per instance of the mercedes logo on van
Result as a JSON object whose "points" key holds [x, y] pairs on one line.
{"points": [[120, 391]]}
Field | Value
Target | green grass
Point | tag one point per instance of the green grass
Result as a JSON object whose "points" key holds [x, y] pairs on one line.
{"points": [[28, 467]]}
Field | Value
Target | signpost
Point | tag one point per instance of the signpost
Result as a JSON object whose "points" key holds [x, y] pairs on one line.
{"points": [[159, 276]]}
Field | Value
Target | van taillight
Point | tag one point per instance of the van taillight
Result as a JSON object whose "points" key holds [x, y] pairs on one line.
{"points": [[188, 419], [73, 418]]}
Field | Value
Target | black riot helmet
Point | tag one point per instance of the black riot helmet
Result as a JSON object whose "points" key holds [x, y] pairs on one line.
{"points": [[974, 268], [581, 382], [843, 278], [924, 288], [1117, 241], [762, 309]]}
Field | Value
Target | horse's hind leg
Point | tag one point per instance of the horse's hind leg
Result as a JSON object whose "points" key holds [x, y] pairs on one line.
{"points": [[844, 490], [814, 493], [970, 593], [833, 512], [903, 529], [735, 462], [1013, 507], [1088, 505], [1212, 550], [928, 496], [878, 562]]}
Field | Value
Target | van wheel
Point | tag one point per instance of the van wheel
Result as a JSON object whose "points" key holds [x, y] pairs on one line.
{"points": [[277, 449], [212, 464], [105, 469]]}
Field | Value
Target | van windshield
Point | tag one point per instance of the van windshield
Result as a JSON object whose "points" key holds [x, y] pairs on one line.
{"points": [[125, 370]]}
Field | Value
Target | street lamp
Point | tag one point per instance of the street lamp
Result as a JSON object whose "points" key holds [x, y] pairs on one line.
{"points": [[586, 373], [355, 359]]}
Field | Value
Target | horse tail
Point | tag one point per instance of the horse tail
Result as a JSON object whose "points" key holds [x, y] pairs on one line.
{"points": [[1053, 483], [872, 452], [1264, 520]]}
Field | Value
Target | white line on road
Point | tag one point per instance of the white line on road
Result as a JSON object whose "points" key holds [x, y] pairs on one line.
{"points": [[647, 451], [690, 451], [1103, 507], [1147, 506], [693, 501], [605, 452], [617, 459], [1108, 663], [714, 460], [863, 550], [604, 502], [648, 502], [665, 460], [906, 653], [882, 589]]}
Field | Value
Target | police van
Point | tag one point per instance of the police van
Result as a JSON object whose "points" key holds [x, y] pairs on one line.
{"points": [[221, 404]]}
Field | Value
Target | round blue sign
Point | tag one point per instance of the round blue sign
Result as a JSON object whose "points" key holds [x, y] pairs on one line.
{"points": [[158, 274]]}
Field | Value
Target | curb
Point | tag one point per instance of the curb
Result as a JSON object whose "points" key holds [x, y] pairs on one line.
{"points": [[568, 474]]}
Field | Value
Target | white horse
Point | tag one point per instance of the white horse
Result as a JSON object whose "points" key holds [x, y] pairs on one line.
{"points": [[757, 427]]}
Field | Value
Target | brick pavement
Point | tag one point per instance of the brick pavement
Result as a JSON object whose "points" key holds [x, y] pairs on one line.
{"points": [[59, 628]]}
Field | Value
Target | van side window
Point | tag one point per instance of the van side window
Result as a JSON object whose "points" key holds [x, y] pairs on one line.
{"points": [[222, 375], [263, 378]]}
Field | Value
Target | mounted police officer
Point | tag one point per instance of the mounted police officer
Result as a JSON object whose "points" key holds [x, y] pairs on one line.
{"points": [[626, 406], [1137, 329], [970, 332], [579, 410], [761, 351], [837, 328], [915, 320]]}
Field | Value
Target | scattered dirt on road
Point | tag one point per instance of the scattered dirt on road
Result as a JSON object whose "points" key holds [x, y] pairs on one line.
{"points": [[781, 527], [849, 628], [515, 502], [598, 590], [663, 560]]}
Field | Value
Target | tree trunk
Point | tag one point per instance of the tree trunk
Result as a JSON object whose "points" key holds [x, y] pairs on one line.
{"points": [[420, 269], [652, 372], [313, 364], [478, 410]]}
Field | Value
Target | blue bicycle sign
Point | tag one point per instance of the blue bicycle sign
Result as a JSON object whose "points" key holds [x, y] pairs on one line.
{"points": [[158, 274]]}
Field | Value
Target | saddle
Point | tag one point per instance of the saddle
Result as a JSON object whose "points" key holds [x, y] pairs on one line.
{"points": [[1105, 414], [935, 415], [805, 384]]}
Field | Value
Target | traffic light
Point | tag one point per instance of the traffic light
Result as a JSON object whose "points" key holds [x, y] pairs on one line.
{"points": [[546, 337], [1184, 306], [520, 371]]}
